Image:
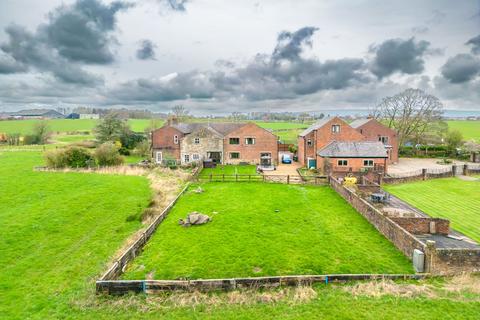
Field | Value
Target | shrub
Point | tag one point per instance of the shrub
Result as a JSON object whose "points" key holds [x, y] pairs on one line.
{"points": [[30, 139], [124, 151], [41, 132], [107, 155], [73, 157], [13, 139], [143, 149]]}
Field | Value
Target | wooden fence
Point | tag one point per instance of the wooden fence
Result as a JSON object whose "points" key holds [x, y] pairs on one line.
{"points": [[288, 179]]}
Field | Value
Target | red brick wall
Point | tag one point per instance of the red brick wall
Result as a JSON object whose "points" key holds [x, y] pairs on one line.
{"points": [[373, 129], [305, 151], [422, 225], [265, 141], [355, 163], [162, 140]]}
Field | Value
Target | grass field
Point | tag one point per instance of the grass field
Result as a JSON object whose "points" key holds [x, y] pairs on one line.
{"points": [[57, 231], [247, 237], [68, 125], [469, 129], [450, 198]]}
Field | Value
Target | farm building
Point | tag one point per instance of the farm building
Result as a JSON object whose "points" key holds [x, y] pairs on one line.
{"points": [[37, 114], [226, 143]]}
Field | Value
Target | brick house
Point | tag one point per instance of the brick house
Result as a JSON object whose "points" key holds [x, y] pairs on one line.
{"points": [[227, 143], [320, 134], [373, 130], [353, 156]]}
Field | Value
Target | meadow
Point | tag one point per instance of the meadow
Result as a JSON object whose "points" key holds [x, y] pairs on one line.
{"points": [[261, 229], [450, 198], [59, 231], [469, 129]]}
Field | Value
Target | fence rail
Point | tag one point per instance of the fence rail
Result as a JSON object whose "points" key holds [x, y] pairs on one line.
{"points": [[288, 179]]}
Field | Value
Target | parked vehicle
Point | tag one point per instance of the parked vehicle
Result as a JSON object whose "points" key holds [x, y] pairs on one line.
{"points": [[286, 158]]}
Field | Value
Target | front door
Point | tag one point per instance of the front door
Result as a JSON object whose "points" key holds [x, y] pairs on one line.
{"points": [[312, 163], [216, 157]]}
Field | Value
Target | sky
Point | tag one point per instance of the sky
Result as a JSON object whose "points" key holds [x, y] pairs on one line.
{"points": [[223, 56]]}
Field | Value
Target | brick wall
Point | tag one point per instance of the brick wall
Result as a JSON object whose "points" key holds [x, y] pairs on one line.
{"points": [[265, 142], [454, 261], [421, 225], [163, 140]]}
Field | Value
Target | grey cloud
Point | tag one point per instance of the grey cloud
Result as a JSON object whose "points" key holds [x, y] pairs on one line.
{"points": [[27, 51], [398, 55], [146, 50], [282, 74], [82, 32], [175, 5], [461, 68], [290, 45], [10, 65], [475, 43]]}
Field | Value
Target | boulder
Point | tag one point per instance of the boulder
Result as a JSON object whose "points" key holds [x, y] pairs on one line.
{"points": [[194, 218]]}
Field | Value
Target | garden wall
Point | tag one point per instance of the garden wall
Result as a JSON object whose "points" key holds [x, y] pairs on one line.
{"points": [[454, 261], [402, 239], [421, 225]]}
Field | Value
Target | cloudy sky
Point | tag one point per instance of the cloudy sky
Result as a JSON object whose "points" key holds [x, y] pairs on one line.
{"points": [[220, 56]]}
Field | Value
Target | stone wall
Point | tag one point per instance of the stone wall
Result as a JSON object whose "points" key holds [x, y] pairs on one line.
{"points": [[400, 237], [454, 261], [417, 225]]}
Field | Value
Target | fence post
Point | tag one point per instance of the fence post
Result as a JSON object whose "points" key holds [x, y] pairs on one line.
{"points": [[288, 179], [263, 178], [236, 177], [210, 177], [465, 169], [424, 174], [454, 170], [249, 177], [223, 177]]}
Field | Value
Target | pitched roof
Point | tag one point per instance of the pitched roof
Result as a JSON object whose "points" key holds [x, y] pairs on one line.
{"points": [[360, 122], [316, 125], [358, 149], [221, 128], [35, 112]]}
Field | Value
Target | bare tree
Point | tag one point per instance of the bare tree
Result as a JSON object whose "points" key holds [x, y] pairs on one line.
{"points": [[410, 113], [180, 112]]}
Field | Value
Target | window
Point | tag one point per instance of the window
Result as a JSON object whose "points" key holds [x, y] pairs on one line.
{"points": [[383, 139], [196, 141], [368, 163], [234, 155], [249, 140], [195, 156], [158, 157], [175, 139], [342, 163], [309, 142], [186, 158], [234, 140], [336, 128]]}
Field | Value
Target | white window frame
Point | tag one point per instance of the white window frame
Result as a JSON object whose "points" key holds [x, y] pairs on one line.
{"points": [[335, 128], [342, 165], [186, 158], [383, 138], [157, 154], [249, 144], [368, 161], [233, 153], [175, 139], [195, 157], [196, 140]]}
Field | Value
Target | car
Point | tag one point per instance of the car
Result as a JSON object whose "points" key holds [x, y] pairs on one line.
{"points": [[286, 158]]}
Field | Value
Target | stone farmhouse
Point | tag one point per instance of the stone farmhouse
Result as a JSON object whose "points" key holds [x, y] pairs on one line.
{"points": [[334, 145], [225, 143]]}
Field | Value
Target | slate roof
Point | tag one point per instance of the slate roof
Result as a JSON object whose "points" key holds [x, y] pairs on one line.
{"points": [[315, 126], [36, 112], [221, 128], [359, 122], [357, 149]]}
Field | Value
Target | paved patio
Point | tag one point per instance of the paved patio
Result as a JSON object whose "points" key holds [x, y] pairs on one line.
{"points": [[405, 165]]}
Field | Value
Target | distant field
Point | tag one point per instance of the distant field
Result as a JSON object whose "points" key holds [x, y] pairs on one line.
{"points": [[266, 229], [282, 125], [450, 198], [66, 125], [469, 129]]}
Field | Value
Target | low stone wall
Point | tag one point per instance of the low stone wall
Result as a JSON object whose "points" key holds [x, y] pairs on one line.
{"points": [[454, 261], [400, 237], [393, 180], [417, 225]]}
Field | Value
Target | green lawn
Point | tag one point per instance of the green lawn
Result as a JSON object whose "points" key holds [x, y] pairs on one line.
{"points": [[247, 237], [469, 129], [450, 198], [66, 125], [230, 170], [282, 125], [57, 231]]}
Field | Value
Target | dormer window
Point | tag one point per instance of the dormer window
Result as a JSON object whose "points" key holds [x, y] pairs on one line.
{"points": [[336, 128], [175, 139], [197, 141]]}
